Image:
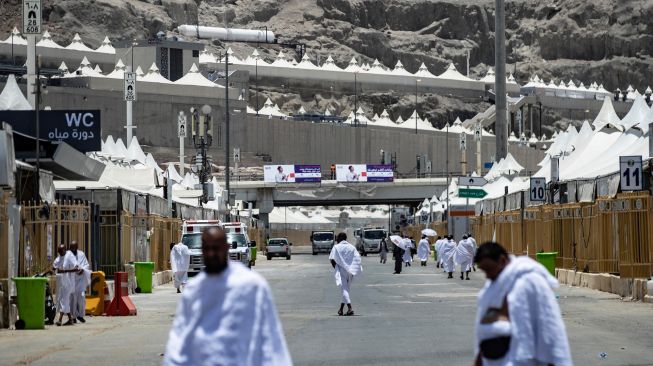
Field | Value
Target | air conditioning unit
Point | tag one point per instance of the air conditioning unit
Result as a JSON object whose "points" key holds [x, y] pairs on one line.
{"points": [[7, 157]]}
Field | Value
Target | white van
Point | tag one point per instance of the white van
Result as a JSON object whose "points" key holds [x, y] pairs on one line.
{"points": [[191, 236]]}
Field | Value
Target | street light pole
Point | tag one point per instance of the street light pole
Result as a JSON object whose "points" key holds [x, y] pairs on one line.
{"points": [[226, 150], [416, 81], [447, 147], [355, 98]]}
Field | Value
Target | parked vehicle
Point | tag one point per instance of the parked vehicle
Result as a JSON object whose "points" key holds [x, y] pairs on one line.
{"points": [[278, 247], [322, 241], [368, 240], [236, 237]]}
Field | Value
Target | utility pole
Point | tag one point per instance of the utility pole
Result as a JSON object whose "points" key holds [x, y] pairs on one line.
{"points": [[478, 136], [227, 115], [500, 79]]}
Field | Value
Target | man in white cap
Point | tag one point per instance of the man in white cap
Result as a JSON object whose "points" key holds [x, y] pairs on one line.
{"points": [[226, 315], [346, 262]]}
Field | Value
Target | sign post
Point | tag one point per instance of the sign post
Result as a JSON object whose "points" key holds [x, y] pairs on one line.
{"points": [[630, 173], [130, 96], [463, 152], [471, 193], [538, 190], [472, 181], [181, 133], [478, 137], [32, 17]]}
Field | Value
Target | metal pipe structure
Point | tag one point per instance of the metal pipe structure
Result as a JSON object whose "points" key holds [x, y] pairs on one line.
{"points": [[228, 34], [500, 79]]}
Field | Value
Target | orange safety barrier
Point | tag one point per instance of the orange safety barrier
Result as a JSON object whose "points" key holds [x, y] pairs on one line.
{"points": [[121, 305]]}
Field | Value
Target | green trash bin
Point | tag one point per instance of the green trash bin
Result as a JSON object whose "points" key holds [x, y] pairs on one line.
{"points": [[253, 251], [548, 260], [144, 272], [30, 302]]}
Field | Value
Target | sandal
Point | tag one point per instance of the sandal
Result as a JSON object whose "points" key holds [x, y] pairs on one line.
{"points": [[68, 323], [350, 313], [340, 312], [58, 324]]}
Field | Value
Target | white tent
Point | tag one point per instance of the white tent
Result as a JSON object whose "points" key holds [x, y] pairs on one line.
{"points": [[424, 72], [207, 58], [607, 116], [330, 65], [193, 77], [135, 152], [452, 73], [118, 72], [306, 63], [399, 69], [15, 38], [78, 45], [106, 47], [12, 98], [46, 41], [153, 76]]}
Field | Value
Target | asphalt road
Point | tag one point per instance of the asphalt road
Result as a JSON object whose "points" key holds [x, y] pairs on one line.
{"points": [[416, 318]]}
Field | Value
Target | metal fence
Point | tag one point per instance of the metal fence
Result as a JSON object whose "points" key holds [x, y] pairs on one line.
{"points": [[44, 227], [611, 235]]}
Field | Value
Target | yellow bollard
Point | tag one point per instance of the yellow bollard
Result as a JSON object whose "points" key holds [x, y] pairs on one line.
{"points": [[95, 300]]}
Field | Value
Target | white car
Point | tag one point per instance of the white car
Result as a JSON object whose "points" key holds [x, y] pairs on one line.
{"points": [[278, 247]]}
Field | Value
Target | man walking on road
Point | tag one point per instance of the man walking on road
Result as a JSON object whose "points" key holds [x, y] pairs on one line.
{"points": [[423, 250], [82, 280], [383, 251], [464, 256], [518, 320], [408, 256], [226, 315], [448, 249], [65, 266], [179, 263], [346, 262], [398, 255]]}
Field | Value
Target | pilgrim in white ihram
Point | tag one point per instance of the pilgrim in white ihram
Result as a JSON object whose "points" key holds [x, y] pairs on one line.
{"points": [[423, 250], [179, 263], [346, 262]]}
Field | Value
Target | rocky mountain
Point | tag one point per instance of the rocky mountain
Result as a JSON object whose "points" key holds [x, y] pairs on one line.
{"points": [[610, 42]]}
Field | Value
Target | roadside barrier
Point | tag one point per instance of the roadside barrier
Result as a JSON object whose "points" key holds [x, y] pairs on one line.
{"points": [[121, 305], [96, 299]]}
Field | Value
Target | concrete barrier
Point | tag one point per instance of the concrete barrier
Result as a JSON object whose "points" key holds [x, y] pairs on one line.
{"points": [[635, 289]]}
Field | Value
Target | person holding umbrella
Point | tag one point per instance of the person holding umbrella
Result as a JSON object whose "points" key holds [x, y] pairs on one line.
{"points": [[398, 252]]}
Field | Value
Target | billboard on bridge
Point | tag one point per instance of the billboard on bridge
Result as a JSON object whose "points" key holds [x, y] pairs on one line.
{"points": [[292, 174], [364, 173]]}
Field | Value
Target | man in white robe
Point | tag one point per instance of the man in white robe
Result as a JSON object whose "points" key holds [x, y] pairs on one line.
{"points": [[346, 262], [65, 266], [471, 238], [448, 250], [423, 250], [408, 257], [518, 313], [464, 256], [179, 263], [82, 280], [226, 315]]}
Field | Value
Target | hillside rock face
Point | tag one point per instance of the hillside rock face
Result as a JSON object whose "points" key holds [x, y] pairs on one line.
{"points": [[607, 41]]}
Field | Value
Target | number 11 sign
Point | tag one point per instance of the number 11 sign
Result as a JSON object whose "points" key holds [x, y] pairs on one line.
{"points": [[630, 170]]}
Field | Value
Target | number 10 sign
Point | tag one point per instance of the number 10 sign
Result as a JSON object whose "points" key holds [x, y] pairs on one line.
{"points": [[630, 170]]}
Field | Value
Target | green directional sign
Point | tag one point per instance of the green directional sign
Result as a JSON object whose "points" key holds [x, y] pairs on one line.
{"points": [[471, 193]]}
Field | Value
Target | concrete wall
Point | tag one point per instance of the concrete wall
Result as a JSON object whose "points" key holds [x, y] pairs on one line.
{"points": [[285, 141], [298, 142]]}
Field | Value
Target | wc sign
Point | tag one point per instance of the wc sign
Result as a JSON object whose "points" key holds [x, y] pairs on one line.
{"points": [[80, 129]]}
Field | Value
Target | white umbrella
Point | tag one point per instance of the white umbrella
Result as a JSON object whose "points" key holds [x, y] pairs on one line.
{"points": [[398, 241], [429, 232]]}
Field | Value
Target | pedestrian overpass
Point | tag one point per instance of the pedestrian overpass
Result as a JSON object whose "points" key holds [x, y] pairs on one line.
{"points": [[266, 196]]}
